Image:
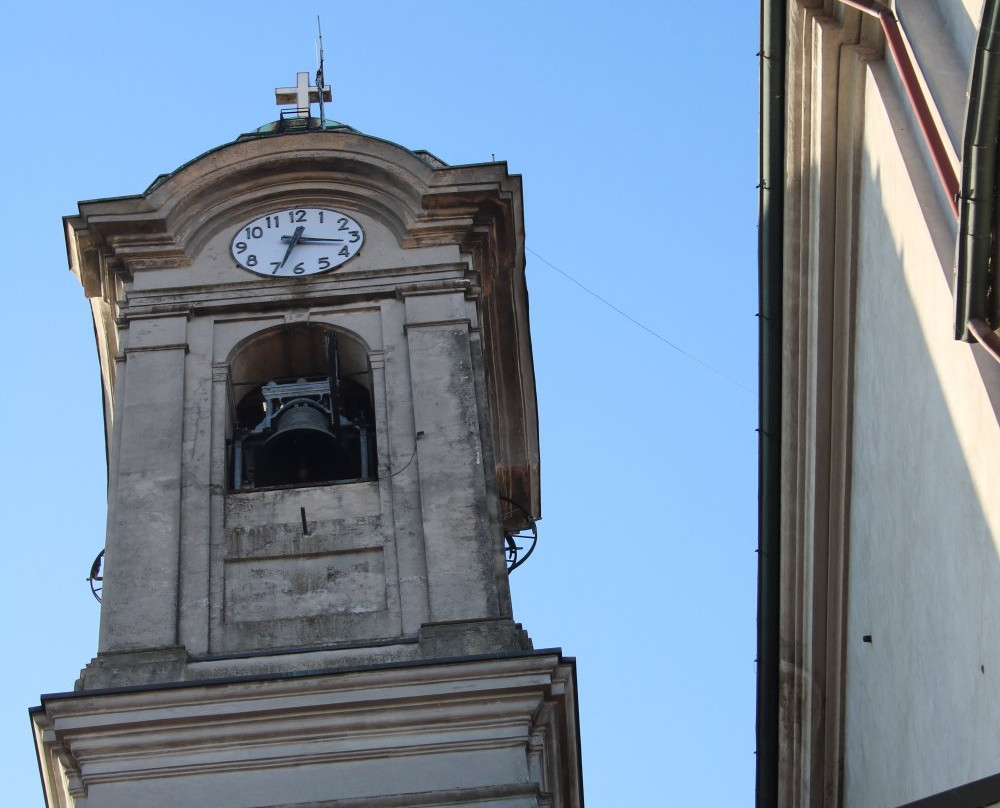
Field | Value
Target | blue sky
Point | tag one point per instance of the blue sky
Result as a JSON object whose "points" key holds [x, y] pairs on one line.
{"points": [[634, 127]]}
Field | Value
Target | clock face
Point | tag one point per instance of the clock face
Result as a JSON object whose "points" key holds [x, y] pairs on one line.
{"points": [[297, 241]]}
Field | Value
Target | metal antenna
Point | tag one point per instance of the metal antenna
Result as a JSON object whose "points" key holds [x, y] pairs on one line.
{"points": [[319, 71]]}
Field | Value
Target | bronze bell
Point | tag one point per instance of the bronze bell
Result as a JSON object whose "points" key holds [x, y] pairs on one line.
{"points": [[302, 448]]}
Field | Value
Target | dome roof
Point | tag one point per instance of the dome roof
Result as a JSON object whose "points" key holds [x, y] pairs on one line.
{"points": [[285, 125]]}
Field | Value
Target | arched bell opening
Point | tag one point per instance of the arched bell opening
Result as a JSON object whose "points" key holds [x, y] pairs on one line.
{"points": [[303, 412]]}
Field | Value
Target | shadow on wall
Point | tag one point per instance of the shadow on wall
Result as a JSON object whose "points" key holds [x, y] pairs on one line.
{"points": [[927, 190], [924, 573]]}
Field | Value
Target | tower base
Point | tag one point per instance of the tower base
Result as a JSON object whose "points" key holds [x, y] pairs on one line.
{"points": [[496, 732]]}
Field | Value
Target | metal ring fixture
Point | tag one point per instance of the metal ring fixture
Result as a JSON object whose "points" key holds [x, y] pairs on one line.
{"points": [[517, 538], [96, 578]]}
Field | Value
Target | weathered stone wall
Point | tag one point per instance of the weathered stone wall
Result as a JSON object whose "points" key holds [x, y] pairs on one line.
{"points": [[195, 568]]}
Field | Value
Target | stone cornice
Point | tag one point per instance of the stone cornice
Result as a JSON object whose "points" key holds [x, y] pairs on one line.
{"points": [[204, 732]]}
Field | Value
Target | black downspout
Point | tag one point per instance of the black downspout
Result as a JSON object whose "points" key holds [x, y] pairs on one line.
{"points": [[975, 276], [770, 264]]}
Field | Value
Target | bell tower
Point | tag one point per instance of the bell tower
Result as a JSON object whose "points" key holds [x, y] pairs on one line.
{"points": [[321, 425]]}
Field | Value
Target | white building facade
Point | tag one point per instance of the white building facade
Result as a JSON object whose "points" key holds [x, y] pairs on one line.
{"points": [[879, 665]]}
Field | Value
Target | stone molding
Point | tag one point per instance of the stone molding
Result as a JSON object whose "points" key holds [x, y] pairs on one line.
{"points": [[497, 732], [827, 68]]}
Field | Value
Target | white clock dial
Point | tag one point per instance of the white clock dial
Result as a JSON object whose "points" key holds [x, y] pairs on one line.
{"points": [[297, 241]]}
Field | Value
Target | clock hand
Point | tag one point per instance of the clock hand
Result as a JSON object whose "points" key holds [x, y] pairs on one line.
{"points": [[311, 240], [292, 241]]}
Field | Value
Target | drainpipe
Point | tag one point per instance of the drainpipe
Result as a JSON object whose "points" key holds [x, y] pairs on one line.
{"points": [[770, 262], [974, 276], [901, 58]]}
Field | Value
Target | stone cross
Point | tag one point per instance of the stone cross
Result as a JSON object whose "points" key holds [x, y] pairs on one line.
{"points": [[302, 95]]}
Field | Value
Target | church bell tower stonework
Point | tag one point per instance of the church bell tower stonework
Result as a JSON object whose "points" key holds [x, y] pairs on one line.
{"points": [[320, 401]]}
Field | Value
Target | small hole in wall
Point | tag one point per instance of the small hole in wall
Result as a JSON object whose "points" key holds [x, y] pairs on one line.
{"points": [[866, 638]]}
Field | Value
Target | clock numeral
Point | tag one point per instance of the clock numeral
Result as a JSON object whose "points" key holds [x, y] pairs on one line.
{"points": [[324, 263], [355, 236], [344, 251], [342, 221], [297, 216], [255, 232], [241, 246], [321, 216], [276, 221], [251, 260], [299, 268], [277, 266]]}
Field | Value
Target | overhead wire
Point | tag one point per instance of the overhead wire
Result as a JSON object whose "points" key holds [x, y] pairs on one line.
{"points": [[640, 324]]}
